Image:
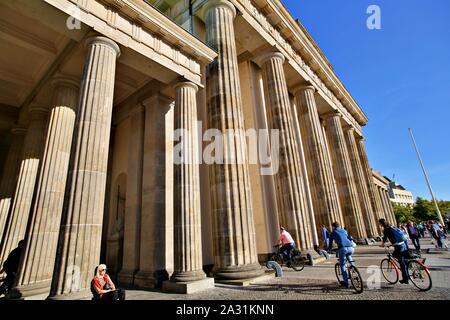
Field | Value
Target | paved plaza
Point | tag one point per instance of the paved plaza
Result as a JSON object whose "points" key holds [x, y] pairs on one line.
{"points": [[319, 282]]}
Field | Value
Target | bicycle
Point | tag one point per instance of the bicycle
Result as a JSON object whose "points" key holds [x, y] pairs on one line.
{"points": [[352, 272], [297, 261], [5, 283], [418, 272]]}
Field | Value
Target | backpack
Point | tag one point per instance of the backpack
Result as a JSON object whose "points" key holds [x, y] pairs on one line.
{"points": [[399, 235]]}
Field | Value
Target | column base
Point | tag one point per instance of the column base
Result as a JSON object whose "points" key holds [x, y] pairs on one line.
{"points": [[170, 286], [35, 289], [361, 240], [239, 272], [314, 257], [84, 294], [150, 279], [188, 276], [267, 275], [126, 277]]}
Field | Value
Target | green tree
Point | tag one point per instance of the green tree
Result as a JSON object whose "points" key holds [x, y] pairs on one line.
{"points": [[425, 209], [402, 213]]}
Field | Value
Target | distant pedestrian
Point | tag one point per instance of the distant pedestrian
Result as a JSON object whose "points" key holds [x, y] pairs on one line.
{"points": [[325, 237], [413, 233]]}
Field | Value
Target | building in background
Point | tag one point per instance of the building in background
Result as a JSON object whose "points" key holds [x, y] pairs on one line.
{"points": [[382, 194], [399, 195]]}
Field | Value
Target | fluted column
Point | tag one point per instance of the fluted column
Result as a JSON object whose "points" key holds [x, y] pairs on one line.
{"points": [[9, 177], [361, 185], [292, 204], [369, 180], [133, 201], [187, 216], [348, 195], [29, 166], [390, 207], [81, 224], [35, 275], [325, 197], [234, 230]]}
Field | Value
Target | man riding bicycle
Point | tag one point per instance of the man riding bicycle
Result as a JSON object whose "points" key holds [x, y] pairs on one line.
{"points": [[345, 248], [397, 240], [11, 266], [287, 242]]}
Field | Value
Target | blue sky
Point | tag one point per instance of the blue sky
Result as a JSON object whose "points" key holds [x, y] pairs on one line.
{"points": [[399, 75]]}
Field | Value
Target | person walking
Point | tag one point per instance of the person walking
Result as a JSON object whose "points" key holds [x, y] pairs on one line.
{"points": [[325, 237], [413, 233]]}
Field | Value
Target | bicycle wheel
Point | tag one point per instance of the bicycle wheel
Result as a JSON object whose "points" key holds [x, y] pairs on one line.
{"points": [[297, 263], [337, 269], [389, 271], [356, 279], [419, 275]]}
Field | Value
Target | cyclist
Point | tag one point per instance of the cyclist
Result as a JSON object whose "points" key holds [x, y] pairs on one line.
{"points": [[287, 242], [345, 248], [11, 266], [397, 239]]}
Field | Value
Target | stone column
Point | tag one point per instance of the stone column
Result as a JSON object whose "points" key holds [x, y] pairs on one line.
{"points": [[385, 212], [29, 166], [156, 221], [81, 225], [361, 185], [389, 211], [9, 177], [133, 201], [36, 272], [188, 266], [369, 180], [292, 204], [390, 207], [325, 197], [234, 230], [345, 180]]}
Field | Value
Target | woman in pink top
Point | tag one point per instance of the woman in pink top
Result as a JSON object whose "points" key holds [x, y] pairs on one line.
{"points": [[287, 243]]}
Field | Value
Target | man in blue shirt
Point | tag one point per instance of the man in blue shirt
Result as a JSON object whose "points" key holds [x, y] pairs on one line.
{"points": [[345, 248]]}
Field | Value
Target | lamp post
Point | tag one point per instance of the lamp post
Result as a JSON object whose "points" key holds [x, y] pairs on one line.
{"points": [[426, 177]]}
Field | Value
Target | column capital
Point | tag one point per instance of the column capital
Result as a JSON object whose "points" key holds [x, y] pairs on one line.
{"points": [[18, 131], [303, 87], [212, 4], [38, 112], [331, 114], [104, 41], [273, 54], [185, 84], [348, 127], [65, 81]]}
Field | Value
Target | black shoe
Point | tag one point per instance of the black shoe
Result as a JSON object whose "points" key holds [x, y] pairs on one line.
{"points": [[288, 264], [343, 284], [404, 281]]}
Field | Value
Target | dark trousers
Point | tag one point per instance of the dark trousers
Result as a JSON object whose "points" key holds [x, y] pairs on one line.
{"points": [[118, 294], [399, 254], [415, 241], [286, 251]]}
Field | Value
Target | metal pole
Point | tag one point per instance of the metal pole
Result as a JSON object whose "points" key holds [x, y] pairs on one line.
{"points": [[426, 177]]}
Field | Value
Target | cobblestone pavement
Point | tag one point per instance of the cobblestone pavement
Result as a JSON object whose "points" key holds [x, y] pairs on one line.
{"points": [[319, 283]]}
